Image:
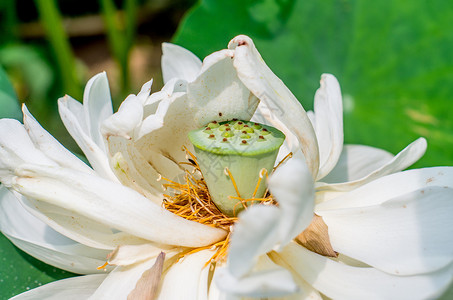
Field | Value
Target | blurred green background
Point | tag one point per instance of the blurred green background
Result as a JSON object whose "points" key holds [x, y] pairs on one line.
{"points": [[394, 61]]}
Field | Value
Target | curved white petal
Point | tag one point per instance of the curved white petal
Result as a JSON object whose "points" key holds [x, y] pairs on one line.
{"points": [[214, 58], [328, 109], [167, 129], [50, 146], [263, 228], [407, 235], [40, 241], [266, 280], [218, 94], [111, 204], [340, 281], [391, 186], [151, 102], [75, 288], [305, 290], [133, 170], [312, 117], [145, 91], [97, 106], [254, 234], [293, 188], [265, 85], [189, 276], [178, 62], [123, 279], [125, 255], [357, 161], [124, 122], [291, 143], [78, 227], [132, 174], [75, 126], [401, 161], [16, 148]]}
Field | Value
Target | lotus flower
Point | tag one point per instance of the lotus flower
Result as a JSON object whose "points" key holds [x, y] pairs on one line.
{"points": [[341, 222]]}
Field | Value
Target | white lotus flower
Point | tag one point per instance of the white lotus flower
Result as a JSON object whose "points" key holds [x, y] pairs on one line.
{"points": [[392, 230]]}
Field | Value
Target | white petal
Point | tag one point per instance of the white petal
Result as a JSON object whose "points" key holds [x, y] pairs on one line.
{"points": [[293, 188], [145, 91], [78, 227], [97, 105], [312, 117], [127, 161], [153, 107], [17, 148], [39, 240], [123, 122], [75, 288], [178, 62], [126, 171], [339, 281], [125, 255], [175, 85], [404, 159], [254, 234], [50, 146], [266, 280], [214, 58], [409, 234], [218, 94], [265, 85], [123, 279], [391, 186], [357, 161], [126, 121], [217, 90], [291, 143], [113, 205], [328, 109], [306, 291], [263, 228], [75, 126], [188, 275], [166, 134]]}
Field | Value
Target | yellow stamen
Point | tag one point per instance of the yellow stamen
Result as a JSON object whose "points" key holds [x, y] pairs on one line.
{"points": [[289, 155], [192, 201], [263, 171], [228, 173], [103, 266]]}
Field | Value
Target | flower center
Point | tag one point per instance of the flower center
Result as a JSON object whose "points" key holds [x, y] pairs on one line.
{"points": [[229, 169], [233, 157]]}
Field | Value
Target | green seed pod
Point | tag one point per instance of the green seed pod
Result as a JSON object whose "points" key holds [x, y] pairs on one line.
{"points": [[240, 153]]}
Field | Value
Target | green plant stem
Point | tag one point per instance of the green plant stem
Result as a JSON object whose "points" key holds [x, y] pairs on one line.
{"points": [[121, 33], [52, 22], [8, 21]]}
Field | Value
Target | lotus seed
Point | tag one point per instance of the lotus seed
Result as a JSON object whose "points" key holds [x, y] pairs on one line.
{"points": [[245, 148]]}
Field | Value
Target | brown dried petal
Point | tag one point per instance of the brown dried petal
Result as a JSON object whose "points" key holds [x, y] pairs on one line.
{"points": [[148, 285], [316, 238]]}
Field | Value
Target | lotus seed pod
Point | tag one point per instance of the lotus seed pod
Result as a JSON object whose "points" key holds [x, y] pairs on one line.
{"points": [[237, 149]]}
